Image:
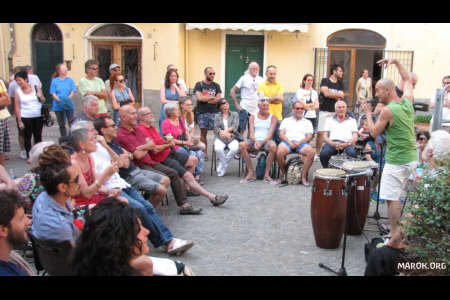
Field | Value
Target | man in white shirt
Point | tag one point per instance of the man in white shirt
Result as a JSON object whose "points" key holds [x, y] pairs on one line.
{"points": [[340, 134], [295, 134], [248, 84]]}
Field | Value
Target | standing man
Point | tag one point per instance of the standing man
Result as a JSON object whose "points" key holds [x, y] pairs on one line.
{"points": [[93, 85], [331, 90], [273, 90], [397, 120], [248, 84], [295, 134], [208, 94]]}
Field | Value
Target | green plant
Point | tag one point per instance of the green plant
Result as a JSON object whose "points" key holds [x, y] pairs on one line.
{"points": [[423, 118], [428, 231]]}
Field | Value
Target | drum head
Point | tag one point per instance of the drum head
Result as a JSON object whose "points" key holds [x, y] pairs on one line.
{"points": [[327, 173], [356, 166]]}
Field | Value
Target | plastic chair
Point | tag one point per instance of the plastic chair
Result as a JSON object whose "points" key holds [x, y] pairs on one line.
{"points": [[51, 256]]}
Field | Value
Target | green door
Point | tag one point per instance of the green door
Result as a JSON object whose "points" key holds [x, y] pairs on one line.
{"points": [[240, 51], [48, 55]]}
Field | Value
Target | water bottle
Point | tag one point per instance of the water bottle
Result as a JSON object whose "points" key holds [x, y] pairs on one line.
{"points": [[11, 174]]}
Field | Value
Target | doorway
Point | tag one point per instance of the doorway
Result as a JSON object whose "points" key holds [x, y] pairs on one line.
{"points": [[47, 52], [127, 55], [241, 50]]}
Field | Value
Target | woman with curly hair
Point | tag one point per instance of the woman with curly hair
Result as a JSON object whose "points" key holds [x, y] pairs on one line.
{"points": [[114, 243]]}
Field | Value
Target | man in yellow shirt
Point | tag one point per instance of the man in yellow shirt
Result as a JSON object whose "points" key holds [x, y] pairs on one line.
{"points": [[273, 90]]}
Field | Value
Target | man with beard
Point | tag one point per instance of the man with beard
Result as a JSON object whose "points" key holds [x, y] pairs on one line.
{"points": [[13, 226]]}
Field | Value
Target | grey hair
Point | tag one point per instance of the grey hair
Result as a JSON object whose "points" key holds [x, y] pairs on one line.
{"points": [[79, 135], [88, 99], [37, 150], [335, 104], [169, 108], [440, 144], [81, 124]]}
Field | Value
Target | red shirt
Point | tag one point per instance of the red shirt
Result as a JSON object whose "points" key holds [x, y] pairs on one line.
{"points": [[157, 139], [130, 140]]}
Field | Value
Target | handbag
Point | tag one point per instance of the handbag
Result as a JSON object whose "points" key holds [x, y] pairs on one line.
{"points": [[45, 113], [183, 137], [66, 103]]}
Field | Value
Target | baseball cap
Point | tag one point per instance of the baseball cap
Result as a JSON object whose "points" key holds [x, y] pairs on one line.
{"points": [[113, 66]]}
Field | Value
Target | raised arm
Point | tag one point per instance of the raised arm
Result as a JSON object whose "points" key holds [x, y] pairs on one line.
{"points": [[404, 74]]}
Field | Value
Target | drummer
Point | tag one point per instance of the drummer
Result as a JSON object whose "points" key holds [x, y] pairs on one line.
{"points": [[397, 119], [340, 134]]}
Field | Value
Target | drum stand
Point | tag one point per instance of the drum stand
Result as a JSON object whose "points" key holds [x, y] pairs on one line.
{"points": [[342, 271]]}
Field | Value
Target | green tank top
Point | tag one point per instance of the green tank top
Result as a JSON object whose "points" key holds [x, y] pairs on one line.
{"points": [[401, 144]]}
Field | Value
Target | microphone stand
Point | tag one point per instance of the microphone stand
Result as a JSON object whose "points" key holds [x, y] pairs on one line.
{"points": [[376, 215]]}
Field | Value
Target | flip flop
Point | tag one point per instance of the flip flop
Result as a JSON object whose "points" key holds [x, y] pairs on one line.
{"points": [[247, 180], [271, 181]]}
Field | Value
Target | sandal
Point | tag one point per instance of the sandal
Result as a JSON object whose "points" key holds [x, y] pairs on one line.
{"points": [[247, 180], [305, 183], [271, 181], [219, 200], [190, 210], [384, 229]]}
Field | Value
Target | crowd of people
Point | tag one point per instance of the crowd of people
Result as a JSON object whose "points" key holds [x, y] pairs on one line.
{"points": [[117, 166]]}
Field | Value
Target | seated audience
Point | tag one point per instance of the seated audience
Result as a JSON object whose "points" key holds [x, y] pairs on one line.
{"points": [[88, 111], [130, 137], [114, 243], [13, 233], [295, 134], [422, 138], [261, 128], [226, 126], [152, 183], [340, 134], [195, 146], [6, 183], [371, 144]]}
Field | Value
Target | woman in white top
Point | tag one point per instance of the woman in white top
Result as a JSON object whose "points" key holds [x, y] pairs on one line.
{"points": [[27, 107], [363, 88], [309, 97]]}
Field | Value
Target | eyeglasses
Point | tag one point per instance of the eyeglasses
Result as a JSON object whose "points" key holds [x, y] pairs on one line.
{"points": [[212, 73], [299, 108], [263, 100], [223, 102], [74, 181], [146, 114]]}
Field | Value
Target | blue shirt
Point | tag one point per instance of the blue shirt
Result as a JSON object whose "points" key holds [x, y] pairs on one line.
{"points": [[51, 221], [62, 89], [10, 269], [121, 96]]}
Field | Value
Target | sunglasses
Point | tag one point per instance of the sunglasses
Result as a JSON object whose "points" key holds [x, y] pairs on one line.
{"points": [[223, 102], [422, 139], [121, 80], [263, 100], [212, 73], [93, 68], [299, 108]]}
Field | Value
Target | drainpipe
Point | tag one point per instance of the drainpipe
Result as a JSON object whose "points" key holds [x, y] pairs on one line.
{"points": [[13, 47], [186, 58]]}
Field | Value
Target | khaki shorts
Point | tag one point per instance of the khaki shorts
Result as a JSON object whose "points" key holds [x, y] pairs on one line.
{"points": [[394, 180], [323, 116]]}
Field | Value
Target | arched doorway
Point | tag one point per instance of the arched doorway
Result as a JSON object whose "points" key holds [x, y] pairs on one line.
{"points": [[119, 44], [47, 52], [355, 49]]}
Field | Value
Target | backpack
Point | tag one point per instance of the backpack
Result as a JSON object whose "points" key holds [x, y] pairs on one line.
{"points": [[370, 247], [261, 166], [294, 167]]}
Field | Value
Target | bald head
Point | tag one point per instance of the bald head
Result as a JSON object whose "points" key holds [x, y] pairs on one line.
{"points": [[386, 83], [128, 116]]}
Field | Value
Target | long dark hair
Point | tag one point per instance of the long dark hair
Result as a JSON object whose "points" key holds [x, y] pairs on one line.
{"points": [[304, 80], [53, 163], [167, 80], [106, 244]]}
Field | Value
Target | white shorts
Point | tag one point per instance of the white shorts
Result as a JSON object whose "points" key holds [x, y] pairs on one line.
{"points": [[394, 180], [323, 116]]}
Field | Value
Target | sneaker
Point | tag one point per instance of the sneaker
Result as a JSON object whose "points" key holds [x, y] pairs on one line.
{"points": [[180, 246], [23, 154]]}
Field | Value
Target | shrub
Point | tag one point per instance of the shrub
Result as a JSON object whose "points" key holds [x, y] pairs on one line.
{"points": [[423, 118], [428, 233]]}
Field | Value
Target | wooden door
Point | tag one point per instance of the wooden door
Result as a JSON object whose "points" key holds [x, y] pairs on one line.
{"points": [[240, 51], [128, 56], [48, 55]]}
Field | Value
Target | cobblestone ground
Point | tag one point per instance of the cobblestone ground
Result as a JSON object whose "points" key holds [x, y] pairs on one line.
{"points": [[262, 230]]}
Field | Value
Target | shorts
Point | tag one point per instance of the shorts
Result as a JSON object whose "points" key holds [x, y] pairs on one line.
{"points": [[394, 179], [243, 120], [5, 141], [297, 150], [323, 116], [145, 180], [177, 160], [264, 147], [206, 120]]}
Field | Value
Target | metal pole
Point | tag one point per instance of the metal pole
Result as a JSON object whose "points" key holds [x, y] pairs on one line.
{"points": [[437, 114]]}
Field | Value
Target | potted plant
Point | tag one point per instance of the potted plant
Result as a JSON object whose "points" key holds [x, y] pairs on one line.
{"points": [[428, 230], [422, 122]]}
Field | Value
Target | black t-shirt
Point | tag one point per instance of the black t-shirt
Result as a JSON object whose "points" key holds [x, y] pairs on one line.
{"points": [[327, 104], [211, 89], [123, 172]]}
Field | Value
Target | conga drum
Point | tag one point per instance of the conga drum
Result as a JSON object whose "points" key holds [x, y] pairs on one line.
{"points": [[359, 197], [328, 207]]}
